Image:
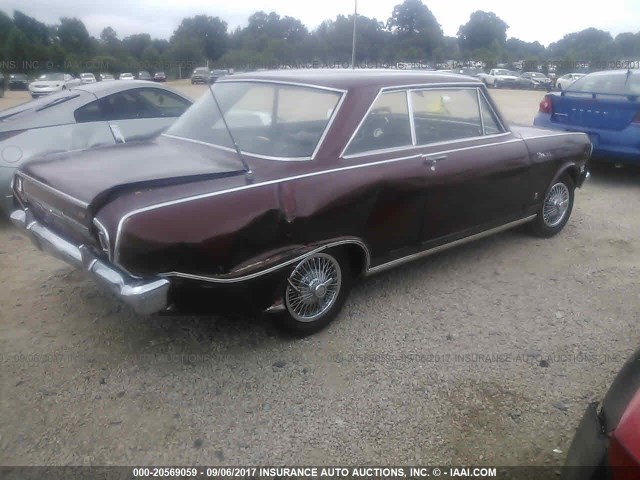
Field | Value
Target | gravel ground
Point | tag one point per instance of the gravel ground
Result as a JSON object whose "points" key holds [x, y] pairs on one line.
{"points": [[485, 354]]}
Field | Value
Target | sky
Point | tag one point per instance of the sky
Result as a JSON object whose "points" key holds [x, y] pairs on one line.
{"points": [[545, 22]]}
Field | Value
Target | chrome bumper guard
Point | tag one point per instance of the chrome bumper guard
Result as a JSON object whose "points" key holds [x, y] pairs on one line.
{"points": [[146, 296]]}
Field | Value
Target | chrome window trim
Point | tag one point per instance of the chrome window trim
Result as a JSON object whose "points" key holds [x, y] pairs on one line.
{"points": [[484, 130], [55, 191], [130, 214], [409, 90], [336, 109], [232, 150], [434, 144], [496, 116], [412, 120], [361, 122], [283, 82]]}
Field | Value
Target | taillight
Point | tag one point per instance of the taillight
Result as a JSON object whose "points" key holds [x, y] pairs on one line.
{"points": [[545, 105], [621, 463]]}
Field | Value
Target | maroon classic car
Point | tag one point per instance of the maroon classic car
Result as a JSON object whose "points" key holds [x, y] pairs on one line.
{"points": [[279, 189]]}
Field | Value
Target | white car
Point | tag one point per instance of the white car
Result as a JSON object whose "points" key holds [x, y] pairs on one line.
{"points": [[106, 77], [127, 76], [87, 78], [499, 77], [51, 83], [565, 80]]}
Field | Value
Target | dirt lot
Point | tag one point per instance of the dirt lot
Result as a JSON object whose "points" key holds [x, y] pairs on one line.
{"points": [[488, 354]]}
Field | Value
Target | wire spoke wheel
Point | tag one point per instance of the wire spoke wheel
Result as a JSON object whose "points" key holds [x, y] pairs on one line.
{"points": [[556, 205], [313, 287]]}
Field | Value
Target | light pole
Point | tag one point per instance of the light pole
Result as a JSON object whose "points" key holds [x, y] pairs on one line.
{"points": [[353, 46]]}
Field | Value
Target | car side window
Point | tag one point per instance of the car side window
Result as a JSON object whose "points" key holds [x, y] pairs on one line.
{"points": [[442, 115], [89, 113], [162, 103], [386, 126], [119, 106]]}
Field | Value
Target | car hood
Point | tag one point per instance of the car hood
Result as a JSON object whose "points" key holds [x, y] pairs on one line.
{"points": [[47, 83], [92, 176]]}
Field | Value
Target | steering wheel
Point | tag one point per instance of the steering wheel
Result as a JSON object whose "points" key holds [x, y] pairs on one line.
{"points": [[379, 121]]}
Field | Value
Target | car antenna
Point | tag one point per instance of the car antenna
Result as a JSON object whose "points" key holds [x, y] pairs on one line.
{"points": [[247, 169]]}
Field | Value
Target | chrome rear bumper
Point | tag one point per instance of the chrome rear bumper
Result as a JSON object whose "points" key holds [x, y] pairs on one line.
{"points": [[146, 296]]}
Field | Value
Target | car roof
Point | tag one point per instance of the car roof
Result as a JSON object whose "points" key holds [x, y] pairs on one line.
{"points": [[102, 89], [344, 79]]}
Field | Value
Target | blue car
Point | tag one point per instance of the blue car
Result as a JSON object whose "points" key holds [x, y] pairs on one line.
{"points": [[606, 106]]}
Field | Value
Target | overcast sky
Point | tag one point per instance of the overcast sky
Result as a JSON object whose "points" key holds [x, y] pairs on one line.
{"points": [[528, 21]]}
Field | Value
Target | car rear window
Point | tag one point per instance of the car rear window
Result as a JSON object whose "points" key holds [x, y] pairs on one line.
{"points": [[615, 83], [273, 120]]}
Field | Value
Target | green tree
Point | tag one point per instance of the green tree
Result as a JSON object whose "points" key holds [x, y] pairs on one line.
{"points": [[17, 47], [135, 45], [74, 37], [483, 30], [416, 31], [209, 33], [6, 24], [628, 45]]}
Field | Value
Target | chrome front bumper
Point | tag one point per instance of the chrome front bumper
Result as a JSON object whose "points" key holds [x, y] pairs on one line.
{"points": [[146, 296]]}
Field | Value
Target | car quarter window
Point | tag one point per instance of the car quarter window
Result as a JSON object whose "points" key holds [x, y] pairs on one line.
{"points": [[446, 114], [387, 125], [119, 106], [141, 103], [162, 103]]}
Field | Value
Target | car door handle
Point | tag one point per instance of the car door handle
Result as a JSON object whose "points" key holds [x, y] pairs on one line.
{"points": [[432, 160]]}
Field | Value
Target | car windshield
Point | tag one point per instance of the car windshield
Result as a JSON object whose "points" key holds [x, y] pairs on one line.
{"points": [[501, 72], [620, 83], [266, 119], [51, 77], [87, 75], [18, 76], [201, 70]]}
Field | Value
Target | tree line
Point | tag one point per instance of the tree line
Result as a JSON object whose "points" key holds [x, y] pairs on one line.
{"points": [[411, 34]]}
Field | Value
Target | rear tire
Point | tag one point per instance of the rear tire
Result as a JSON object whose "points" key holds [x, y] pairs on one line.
{"points": [[556, 208], [315, 292]]}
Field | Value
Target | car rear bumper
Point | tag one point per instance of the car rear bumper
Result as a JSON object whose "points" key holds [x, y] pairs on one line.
{"points": [[146, 296]]}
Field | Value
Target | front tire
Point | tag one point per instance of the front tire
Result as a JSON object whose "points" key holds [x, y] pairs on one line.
{"points": [[315, 292], [556, 208]]}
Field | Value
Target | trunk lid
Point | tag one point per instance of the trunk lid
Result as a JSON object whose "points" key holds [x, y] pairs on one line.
{"points": [[593, 110], [88, 178]]}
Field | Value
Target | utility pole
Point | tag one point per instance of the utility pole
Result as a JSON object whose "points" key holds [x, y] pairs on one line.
{"points": [[353, 47]]}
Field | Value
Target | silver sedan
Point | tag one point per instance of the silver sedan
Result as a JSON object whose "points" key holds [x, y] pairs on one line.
{"points": [[83, 117]]}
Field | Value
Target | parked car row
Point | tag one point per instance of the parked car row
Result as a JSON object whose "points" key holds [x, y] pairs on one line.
{"points": [[204, 75], [55, 81]]}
